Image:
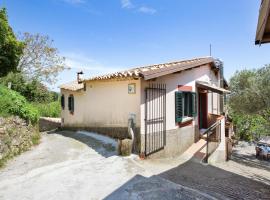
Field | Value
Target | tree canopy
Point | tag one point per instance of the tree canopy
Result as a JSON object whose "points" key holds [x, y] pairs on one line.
{"points": [[40, 60], [249, 101], [251, 91], [10, 48]]}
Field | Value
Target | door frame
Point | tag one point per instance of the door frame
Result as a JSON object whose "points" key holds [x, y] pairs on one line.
{"points": [[203, 109]]}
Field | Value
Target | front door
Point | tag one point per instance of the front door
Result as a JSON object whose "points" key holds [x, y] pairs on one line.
{"points": [[203, 110]]}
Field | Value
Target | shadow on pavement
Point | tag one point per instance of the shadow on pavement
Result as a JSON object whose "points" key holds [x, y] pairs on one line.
{"points": [[154, 187], [104, 149], [193, 180], [250, 160], [217, 182]]}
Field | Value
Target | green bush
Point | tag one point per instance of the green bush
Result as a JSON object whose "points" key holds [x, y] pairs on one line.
{"points": [[52, 109], [12, 103], [249, 127]]}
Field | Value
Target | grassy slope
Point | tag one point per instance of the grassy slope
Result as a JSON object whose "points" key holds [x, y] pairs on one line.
{"points": [[12, 103]]}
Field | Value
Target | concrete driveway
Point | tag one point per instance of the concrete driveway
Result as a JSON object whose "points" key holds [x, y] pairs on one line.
{"points": [[68, 165], [83, 165]]}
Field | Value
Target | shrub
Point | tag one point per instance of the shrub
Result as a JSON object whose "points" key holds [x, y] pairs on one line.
{"points": [[249, 127], [12, 103], [52, 109]]}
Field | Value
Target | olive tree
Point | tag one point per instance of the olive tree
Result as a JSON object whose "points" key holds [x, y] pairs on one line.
{"points": [[249, 101], [40, 60]]}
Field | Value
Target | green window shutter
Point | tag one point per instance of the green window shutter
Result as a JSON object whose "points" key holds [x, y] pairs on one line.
{"points": [[72, 104], [178, 106], [193, 109], [69, 103], [63, 102]]}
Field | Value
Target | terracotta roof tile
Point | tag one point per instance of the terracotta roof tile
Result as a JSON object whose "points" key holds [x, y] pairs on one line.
{"points": [[73, 86], [150, 69], [146, 72]]}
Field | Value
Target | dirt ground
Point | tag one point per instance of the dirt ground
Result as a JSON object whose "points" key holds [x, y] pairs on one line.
{"points": [[85, 166]]}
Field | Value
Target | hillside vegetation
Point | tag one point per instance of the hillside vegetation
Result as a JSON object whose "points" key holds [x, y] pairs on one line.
{"points": [[12, 103]]}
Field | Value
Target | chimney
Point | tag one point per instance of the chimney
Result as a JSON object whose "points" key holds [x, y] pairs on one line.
{"points": [[79, 77]]}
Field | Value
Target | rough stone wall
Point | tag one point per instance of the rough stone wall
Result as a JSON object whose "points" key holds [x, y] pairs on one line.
{"points": [[16, 136], [48, 123]]}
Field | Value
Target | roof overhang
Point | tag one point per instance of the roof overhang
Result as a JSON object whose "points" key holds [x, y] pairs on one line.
{"points": [[263, 26], [151, 74], [72, 86], [212, 88]]}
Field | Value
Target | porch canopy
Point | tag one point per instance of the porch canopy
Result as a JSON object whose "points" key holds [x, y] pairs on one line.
{"points": [[263, 26], [207, 86]]}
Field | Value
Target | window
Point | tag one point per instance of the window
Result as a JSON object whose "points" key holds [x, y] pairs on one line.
{"points": [[132, 88], [63, 101], [71, 103], [185, 105]]}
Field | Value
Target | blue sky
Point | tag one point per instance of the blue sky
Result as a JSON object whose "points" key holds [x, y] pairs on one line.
{"points": [[100, 36]]}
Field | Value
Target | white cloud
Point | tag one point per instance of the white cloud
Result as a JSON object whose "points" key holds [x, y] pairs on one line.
{"points": [[80, 61], [127, 4], [147, 10]]}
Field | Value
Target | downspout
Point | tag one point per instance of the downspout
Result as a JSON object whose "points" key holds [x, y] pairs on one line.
{"points": [[221, 84]]}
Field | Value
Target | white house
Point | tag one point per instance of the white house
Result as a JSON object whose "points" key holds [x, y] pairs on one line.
{"points": [[167, 105]]}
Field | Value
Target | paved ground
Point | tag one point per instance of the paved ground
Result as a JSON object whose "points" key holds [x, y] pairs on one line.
{"points": [[66, 167], [82, 166], [245, 163], [243, 177], [85, 166], [217, 182]]}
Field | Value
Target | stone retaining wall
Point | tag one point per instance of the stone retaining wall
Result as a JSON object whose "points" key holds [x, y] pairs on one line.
{"points": [[16, 136], [48, 123]]}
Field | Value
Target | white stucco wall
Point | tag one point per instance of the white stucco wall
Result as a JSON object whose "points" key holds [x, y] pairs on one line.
{"points": [[186, 78], [219, 154], [103, 104], [108, 104]]}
